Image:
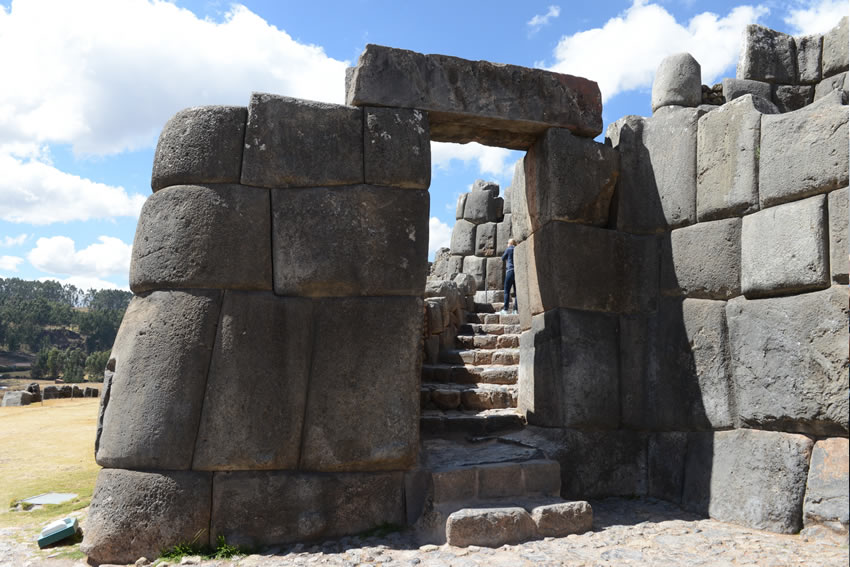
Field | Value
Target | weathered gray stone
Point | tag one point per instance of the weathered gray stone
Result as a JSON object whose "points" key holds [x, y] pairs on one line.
{"points": [[835, 83], [735, 88], [568, 373], [753, 478], [675, 367], [589, 471], [784, 249], [809, 48], [461, 204], [466, 284], [503, 234], [803, 153], [291, 142], [790, 361], [838, 246], [520, 219], [767, 55], [17, 398], [447, 290], [666, 465], [485, 239], [678, 82], [463, 237], [826, 501], [203, 236], [396, 147], [482, 206], [506, 209], [659, 154], [835, 57], [162, 354], [788, 98], [489, 527], [200, 145], [568, 178], [276, 507], [476, 101], [703, 260], [484, 185], [254, 403], [434, 314], [50, 393], [370, 241], [727, 159], [350, 340], [139, 514], [477, 268], [559, 266], [495, 273], [562, 519]]}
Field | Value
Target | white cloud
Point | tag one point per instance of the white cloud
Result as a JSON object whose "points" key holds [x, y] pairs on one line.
{"points": [[58, 255], [9, 241], [38, 193], [818, 18], [10, 263], [490, 160], [539, 21], [105, 75], [86, 283], [439, 235], [625, 52]]}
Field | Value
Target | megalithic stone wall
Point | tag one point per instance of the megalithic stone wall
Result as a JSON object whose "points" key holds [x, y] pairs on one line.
{"points": [[280, 258]]}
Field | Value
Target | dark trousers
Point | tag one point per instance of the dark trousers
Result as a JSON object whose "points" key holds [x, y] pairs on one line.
{"points": [[510, 282]]}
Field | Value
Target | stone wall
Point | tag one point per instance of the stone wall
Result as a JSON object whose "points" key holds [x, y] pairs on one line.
{"points": [[686, 336]]}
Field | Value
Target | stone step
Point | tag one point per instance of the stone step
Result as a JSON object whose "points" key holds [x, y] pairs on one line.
{"points": [[470, 374], [463, 485], [493, 318], [476, 397], [488, 341], [495, 329], [486, 422], [481, 357], [487, 307]]}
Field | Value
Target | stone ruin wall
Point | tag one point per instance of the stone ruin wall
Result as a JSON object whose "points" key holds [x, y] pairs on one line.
{"points": [[681, 290], [690, 342]]}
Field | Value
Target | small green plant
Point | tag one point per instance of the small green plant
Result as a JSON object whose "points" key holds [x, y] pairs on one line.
{"points": [[222, 550]]}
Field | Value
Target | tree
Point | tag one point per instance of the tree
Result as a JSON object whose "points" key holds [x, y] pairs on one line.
{"points": [[96, 364]]}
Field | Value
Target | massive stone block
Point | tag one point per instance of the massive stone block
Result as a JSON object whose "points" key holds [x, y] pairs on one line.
{"points": [[835, 50], [257, 387], [358, 240], [139, 514], [809, 57], [659, 154], [703, 260], [503, 234], [836, 82], [768, 55], [790, 361], [583, 267], [17, 398], [666, 465], [161, 358], [463, 238], [838, 248], [203, 236], [485, 239], [291, 142], [476, 101], [482, 206], [788, 98], [597, 464], [803, 153], [568, 375], [267, 508], [396, 147], [727, 159], [200, 145], [477, 268], [753, 478], [674, 367], [495, 276], [827, 501], [784, 249], [569, 179], [735, 88], [520, 219], [461, 204], [351, 339], [678, 82]]}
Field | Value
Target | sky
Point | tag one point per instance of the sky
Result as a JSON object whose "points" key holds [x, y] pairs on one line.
{"points": [[89, 84]]}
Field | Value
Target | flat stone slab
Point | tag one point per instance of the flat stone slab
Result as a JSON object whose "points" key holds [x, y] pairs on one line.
{"points": [[476, 101]]}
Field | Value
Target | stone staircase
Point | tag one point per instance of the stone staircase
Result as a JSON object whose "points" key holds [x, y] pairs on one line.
{"points": [[472, 486]]}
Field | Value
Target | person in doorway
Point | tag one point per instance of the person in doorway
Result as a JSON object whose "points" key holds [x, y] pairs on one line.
{"points": [[510, 279]]}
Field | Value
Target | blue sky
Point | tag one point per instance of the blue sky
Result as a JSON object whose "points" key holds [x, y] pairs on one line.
{"points": [[88, 85]]}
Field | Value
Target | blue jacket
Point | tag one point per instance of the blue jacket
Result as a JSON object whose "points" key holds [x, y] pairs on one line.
{"points": [[508, 257]]}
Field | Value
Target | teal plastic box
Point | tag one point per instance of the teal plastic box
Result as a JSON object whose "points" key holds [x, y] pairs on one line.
{"points": [[57, 531]]}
